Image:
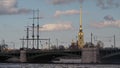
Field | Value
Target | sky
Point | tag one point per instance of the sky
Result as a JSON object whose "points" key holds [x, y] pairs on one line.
{"points": [[60, 20]]}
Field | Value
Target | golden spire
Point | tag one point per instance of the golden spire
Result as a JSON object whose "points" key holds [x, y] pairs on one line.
{"points": [[80, 33], [80, 16]]}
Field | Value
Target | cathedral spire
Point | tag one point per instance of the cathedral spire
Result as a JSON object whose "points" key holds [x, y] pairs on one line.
{"points": [[81, 16], [80, 33]]}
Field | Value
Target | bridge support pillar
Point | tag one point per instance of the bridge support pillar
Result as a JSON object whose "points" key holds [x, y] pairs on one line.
{"points": [[23, 57], [90, 55]]}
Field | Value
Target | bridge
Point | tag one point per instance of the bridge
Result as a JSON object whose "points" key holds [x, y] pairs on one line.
{"points": [[110, 55], [35, 55], [44, 56], [106, 55]]}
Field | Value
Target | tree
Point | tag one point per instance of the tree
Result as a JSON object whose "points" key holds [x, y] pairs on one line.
{"points": [[100, 44], [61, 47], [3, 46], [54, 47]]}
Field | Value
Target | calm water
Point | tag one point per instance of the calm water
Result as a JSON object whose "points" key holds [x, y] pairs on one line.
{"points": [[26, 65]]}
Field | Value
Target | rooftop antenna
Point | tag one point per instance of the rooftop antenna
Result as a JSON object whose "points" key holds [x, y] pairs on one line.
{"points": [[114, 42], [91, 37], [23, 43]]}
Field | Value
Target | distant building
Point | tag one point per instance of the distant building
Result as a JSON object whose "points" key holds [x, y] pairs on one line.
{"points": [[73, 45]]}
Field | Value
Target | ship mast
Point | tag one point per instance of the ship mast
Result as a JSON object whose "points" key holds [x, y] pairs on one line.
{"points": [[33, 26], [38, 29]]}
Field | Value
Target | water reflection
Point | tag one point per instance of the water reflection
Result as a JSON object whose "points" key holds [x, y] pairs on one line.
{"points": [[26, 65]]}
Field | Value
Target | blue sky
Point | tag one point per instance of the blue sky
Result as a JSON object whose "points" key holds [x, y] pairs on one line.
{"points": [[61, 20]]}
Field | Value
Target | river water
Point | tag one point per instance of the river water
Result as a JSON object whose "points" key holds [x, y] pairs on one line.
{"points": [[26, 65]]}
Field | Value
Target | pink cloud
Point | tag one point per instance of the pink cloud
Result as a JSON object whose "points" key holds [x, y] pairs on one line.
{"points": [[68, 12], [57, 26], [57, 2], [115, 23], [8, 7]]}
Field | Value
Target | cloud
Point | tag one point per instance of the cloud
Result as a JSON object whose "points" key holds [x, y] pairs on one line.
{"points": [[115, 23], [109, 18], [57, 26], [58, 2], [68, 12], [103, 24], [8, 7], [106, 4], [109, 21]]}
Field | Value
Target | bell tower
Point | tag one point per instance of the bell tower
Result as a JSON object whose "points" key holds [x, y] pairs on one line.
{"points": [[80, 33]]}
